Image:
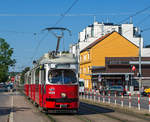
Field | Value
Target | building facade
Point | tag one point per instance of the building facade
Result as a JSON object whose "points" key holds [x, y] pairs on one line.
{"points": [[123, 71], [92, 32], [110, 45]]}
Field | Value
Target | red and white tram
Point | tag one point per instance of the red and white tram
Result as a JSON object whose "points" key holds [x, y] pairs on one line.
{"points": [[53, 83]]}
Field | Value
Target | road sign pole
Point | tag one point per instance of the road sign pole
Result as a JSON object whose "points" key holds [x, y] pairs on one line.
{"points": [[140, 72], [149, 102], [129, 100], [139, 102]]}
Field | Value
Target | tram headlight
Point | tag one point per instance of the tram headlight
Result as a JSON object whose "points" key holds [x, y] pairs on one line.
{"points": [[63, 95]]}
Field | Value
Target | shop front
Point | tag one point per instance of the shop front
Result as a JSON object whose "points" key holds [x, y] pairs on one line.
{"points": [[119, 72]]}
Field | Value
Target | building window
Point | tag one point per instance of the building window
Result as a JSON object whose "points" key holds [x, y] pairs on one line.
{"points": [[84, 70], [88, 55], [87, 83], [80, 70], [80, 57], [84, 57], [88, 69], [92, 32]]}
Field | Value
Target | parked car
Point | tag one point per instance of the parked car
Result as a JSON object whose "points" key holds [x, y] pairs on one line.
{"points": [[9, 88], [146, 92], [81, 86], [113, 89], [1, 85]]}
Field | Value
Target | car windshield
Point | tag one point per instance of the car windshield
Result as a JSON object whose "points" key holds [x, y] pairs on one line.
{"points": [[62, 76]]}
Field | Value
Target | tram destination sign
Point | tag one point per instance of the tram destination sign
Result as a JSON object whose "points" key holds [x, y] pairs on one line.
{"points": [[61, 66]]}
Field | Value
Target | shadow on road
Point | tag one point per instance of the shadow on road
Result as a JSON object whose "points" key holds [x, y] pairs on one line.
{"points": [[86, 109], [7, 110], [4, 111], [15, 109]]}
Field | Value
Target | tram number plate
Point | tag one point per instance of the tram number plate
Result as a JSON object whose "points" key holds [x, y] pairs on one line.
{"points": [[63, 106]]}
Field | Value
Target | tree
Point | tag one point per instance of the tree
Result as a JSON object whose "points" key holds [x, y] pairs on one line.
{"points": [[5, 59]]}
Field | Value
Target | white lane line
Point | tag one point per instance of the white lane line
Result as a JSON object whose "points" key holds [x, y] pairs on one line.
{"points": [[11, 113]]}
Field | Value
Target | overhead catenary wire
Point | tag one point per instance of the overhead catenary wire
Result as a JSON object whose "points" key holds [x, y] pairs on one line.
{"points": [[135, 14], [63, 15], [143, 19], [69, 15], [138, 12], [145, 29], [37, 47], [57, 22]]}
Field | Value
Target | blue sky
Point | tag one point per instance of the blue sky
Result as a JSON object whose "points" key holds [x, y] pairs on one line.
{"points": [[21, 19]]}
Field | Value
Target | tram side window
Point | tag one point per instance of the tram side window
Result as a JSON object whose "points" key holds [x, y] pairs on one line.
{"points": [[26, 82], [32, 77], [37, 76], [29, 79], [42, 75]]}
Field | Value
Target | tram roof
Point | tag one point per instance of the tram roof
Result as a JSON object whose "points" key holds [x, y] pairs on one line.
{"points": [[64, 58]]}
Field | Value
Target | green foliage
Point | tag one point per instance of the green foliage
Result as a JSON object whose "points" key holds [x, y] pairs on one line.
{"points": [[23, 73], [5, 59]]}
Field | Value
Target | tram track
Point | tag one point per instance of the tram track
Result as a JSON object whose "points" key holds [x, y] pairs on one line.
{"points": [[68, 117], [57, 117], [89, 112], [101, 114]]}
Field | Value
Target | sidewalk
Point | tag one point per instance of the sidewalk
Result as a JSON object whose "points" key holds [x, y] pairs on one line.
{"points": [[24, 111]]}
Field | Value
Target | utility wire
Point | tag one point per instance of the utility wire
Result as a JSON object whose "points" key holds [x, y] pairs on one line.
{"points": [[138, 12], [37, 47], [135, 14], [145, 29], [13, 31], [63, 15], [59, 20], [143, 19]]}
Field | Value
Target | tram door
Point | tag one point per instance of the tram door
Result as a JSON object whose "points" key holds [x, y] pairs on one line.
{"points": [[43, 86]]}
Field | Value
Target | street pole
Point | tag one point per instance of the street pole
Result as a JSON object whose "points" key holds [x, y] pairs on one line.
{"points": [[140, 72]]}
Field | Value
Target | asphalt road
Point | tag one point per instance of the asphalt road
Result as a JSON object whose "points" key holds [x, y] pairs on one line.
{"points": [[24, 110], [5, 105]]}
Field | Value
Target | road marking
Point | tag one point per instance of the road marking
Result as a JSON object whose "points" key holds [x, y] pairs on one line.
{"points": [[11, 112]]}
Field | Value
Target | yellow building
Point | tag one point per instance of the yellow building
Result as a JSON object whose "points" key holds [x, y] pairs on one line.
{"points": [[110, 45]]}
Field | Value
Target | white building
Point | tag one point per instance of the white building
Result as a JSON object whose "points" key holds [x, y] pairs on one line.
{"points": [[96, 30]]}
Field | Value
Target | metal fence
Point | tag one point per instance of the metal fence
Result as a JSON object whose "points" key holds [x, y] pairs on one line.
{"points": [[136, 101]]}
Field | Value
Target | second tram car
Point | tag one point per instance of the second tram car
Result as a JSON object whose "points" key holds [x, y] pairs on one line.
{"points": [[53, 83]]}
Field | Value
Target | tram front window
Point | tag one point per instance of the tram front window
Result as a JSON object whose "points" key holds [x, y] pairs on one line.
{"points": [[62, 76]]}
